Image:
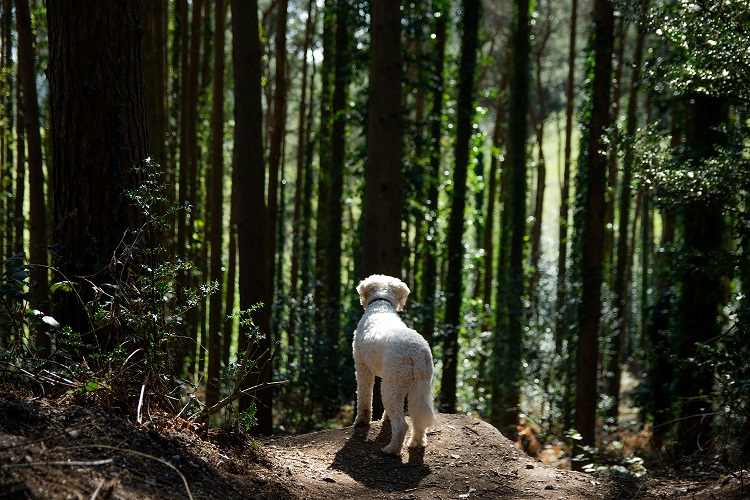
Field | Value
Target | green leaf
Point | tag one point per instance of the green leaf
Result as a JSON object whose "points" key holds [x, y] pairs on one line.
{"points": [[61, 285], [91, 386]]}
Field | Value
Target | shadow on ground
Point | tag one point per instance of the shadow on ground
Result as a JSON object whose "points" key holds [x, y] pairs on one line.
{"points": [[361, 459]]}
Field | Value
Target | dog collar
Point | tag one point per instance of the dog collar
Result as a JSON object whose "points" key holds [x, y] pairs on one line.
{"points": [[379, 298]]}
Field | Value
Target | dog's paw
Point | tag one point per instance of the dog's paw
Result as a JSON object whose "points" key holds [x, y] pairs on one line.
{"points": [[392, 449], [362, 420], [416, 442]]}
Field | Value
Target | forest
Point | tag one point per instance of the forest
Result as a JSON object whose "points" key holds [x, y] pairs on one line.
{"points": [[191, 190]]}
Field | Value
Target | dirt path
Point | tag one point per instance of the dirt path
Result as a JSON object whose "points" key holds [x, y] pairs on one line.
{"points": [[465, 458], [68, 448]]}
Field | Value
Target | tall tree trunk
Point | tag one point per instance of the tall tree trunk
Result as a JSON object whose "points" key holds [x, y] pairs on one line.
{"points": [[6, 124], [322, 356], [18, 219], [37, 207], [330, 209], [216, 226], [98, 119], [593, 176], [498, 142], [660, 374], [297, 223], [510, 356], [278, 132], [381, 246], [613, 170], [541, 167], [228, 325], [440, 14], [622, 283], [702, 295], [188, 100], [384, 197], [200, 194], [154, 75], [251, 209], [562, 252], [173, 138], [454, 278]]}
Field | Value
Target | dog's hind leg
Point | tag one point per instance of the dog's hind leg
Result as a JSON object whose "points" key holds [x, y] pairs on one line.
{"points": [[394, 394], [365, 382]]}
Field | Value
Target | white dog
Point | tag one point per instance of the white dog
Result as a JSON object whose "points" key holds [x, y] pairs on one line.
{"points": [[384, 347]]}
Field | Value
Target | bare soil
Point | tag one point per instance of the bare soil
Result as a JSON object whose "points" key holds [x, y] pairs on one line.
{"points": [[61, 448]]}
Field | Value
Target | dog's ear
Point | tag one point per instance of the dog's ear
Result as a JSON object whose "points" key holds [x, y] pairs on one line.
{"points": [[402, 292], [363, 289]]}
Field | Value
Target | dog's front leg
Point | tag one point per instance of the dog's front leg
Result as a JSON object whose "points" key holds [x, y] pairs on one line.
{"points": [[365, 383]]}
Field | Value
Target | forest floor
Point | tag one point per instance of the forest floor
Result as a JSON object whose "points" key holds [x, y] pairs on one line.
{"points": [[60, 448]]}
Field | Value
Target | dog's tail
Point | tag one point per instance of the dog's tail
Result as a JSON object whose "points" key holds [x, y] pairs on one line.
{"points": [[420, 393]]}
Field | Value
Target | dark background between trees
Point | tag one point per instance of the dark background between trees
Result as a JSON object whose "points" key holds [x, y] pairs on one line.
{"points": [[562, 185]]}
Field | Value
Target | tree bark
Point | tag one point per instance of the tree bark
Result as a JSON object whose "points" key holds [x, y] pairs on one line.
{"points": [[593, 175], [251, 209], [98, 120], [297, 222], [454, 278], [37, 207], [429, 266], [562, 251], [278, 132], [216, 226], [541, 166], [507, 420], [702, 295], [624, 252], [383, 209]]}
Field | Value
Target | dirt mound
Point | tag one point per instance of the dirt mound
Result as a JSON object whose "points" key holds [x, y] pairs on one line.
{"points": [[465, 458], [67, 448]]}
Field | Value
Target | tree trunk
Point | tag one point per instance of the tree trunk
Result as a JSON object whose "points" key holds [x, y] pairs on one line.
{"points": [[498, 142], [188, 105], [429, 285], [154, 75], [562, 252], [98, 119], [702, 296], [507, 420], [37, 208], [612, 174], [216, 226], [454, 278], [384, 197], [18, 219], [228, 324], [6, 124], [622, 283], [593, 176], [297, 223], [541, 167], [381, 246], [278, 132], [251, 209]]}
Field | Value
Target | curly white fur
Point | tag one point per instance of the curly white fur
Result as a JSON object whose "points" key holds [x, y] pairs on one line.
{"points": [[384, 347]]}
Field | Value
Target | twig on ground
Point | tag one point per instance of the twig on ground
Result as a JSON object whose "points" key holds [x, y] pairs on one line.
{"points": [[140, 404], [140, 454], [45, 438], [73, 463]]}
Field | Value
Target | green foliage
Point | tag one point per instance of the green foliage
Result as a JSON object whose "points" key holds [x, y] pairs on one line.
{"points": [[144, 300], [13, 292], [707, 44], [247, 418]]}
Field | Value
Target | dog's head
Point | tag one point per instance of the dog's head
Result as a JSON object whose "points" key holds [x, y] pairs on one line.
{"points": [[380, 286]]}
